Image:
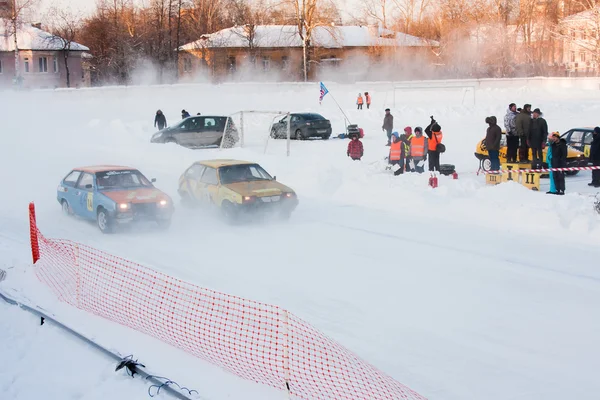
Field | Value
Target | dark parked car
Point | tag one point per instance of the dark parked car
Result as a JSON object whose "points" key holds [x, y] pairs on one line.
{"points": [[580, 139], [199, 131], [302, 126]]}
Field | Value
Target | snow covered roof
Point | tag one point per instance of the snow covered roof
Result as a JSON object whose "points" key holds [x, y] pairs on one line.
{"points": [[31, 38], [584, 16], [276, 36]]}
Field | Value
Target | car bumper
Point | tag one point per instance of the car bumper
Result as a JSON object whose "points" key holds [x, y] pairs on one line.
{"points": [[317, 132], [144, 212], [263, 206]]}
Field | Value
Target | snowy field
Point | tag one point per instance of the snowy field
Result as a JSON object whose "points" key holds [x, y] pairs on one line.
{"points": [[461, 292]]}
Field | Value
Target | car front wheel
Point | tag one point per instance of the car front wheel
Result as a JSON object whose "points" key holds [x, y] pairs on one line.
{"points": [[65, 208], [298, 135], [104, 221]]}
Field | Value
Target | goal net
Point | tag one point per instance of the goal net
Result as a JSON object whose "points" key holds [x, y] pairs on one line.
{"points": [[256, 129], [455, 94]]}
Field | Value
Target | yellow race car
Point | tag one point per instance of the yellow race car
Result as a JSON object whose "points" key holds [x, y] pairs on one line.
{"points": [[575, 158], [237, 188]]}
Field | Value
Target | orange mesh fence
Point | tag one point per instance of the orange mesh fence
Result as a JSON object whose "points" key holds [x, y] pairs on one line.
{"points": [[252, 340]]}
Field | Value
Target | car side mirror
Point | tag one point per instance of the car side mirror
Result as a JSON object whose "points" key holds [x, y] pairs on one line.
{"points": [[88, 186], [153, 180]]}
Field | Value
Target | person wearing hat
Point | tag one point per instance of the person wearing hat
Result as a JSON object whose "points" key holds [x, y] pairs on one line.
{"points": [[388, 125], [418, 151], [538, 133], [160, 120], [595, 157], [408, 135], [397, 154], [492, 141], [558, 159], [512, 139], [523, 125], [434, 133]]}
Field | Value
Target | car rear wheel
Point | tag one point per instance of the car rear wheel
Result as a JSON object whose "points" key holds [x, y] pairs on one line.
{"points": [[326, 137], [65, 208], [104, 221]]}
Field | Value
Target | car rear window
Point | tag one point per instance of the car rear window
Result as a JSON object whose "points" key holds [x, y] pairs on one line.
{"points": [[312, 117]]}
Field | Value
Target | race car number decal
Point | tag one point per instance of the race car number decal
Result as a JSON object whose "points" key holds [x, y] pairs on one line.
{"points": [[586, 151], [90, 201]]}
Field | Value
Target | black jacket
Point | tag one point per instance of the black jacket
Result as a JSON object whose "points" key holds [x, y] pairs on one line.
{"points": [[160, 120], [493, 135], [538, 132], [595, 148], [559, 154]]}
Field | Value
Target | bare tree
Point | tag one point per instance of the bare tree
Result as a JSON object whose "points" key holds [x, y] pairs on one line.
{"points": [[15, 11], [311, 14], [65, 28]]}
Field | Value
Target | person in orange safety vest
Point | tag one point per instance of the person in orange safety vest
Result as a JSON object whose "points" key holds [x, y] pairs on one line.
{"points": [[397, 154], [359, 101], [434, 133], [368, 99], [418, 151]]}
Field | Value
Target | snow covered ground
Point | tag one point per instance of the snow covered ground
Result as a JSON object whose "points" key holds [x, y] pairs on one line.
{"points": [[461, 292]]}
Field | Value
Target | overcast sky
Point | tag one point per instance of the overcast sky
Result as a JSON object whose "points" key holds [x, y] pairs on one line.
{"points": [[87, 6]]}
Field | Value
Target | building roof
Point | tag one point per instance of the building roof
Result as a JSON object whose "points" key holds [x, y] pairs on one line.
{"points": [[31, 38], [223, 163], [277, 36], [584, 16]]}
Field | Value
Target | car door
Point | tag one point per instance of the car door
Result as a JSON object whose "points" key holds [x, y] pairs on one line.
{"points": [[576, 139], [84, 193], [208, 186], [211, 131], [296, 123], [189, 132], [192, 179]]}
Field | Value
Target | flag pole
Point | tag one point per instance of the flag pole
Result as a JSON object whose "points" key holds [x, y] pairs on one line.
{"points": [[337, 104]]}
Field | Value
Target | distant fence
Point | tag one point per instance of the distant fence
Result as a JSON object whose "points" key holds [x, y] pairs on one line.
{"points": [[255, 341]]}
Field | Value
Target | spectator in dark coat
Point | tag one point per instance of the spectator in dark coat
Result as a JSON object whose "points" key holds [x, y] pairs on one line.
{"points": [[492, 142], [595, 157], [559, 160], [160, 120], [523, 125], [388, 125], [184, 114], [512, 139], [537, 134], [355, 148]]}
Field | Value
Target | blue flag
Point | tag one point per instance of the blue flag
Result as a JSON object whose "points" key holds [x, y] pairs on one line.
{"points": [[324, 91]]}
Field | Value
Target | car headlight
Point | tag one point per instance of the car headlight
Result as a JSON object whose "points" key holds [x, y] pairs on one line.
{"points": [[248, 199], [124, 206], [156, 135], [289, 195], [163, 203]]}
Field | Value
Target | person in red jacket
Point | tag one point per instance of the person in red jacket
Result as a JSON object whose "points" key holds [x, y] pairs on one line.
{"points": [[355, 148]]}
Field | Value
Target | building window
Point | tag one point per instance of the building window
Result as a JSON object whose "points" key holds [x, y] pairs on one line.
{"points": [[584, 35], [55, 64], [187, 64], [573, 34], [582, 56], [266, 63], [26, 64], [285, 62], [0, 66], [572, 56], [231, 64], [43, 64]]}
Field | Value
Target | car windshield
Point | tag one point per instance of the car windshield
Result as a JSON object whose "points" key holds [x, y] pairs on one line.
{"points": [[243, 173], [124, 179]]}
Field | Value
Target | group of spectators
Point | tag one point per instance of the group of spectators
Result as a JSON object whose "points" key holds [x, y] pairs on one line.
{"points": [[160, 121]]}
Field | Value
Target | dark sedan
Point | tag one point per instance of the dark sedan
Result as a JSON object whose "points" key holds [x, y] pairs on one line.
{"points": [[302, 126], [199, 131]]}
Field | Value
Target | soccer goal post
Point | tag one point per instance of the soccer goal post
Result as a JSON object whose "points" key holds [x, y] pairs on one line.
{"points": [[255, 128], [456, 93]]}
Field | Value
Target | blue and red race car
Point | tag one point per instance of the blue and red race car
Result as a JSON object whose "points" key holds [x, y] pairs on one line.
{"points": [[113, 196]]}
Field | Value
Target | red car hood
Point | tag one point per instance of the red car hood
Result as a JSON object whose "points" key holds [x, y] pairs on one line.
{"points": [[142, 195]]}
